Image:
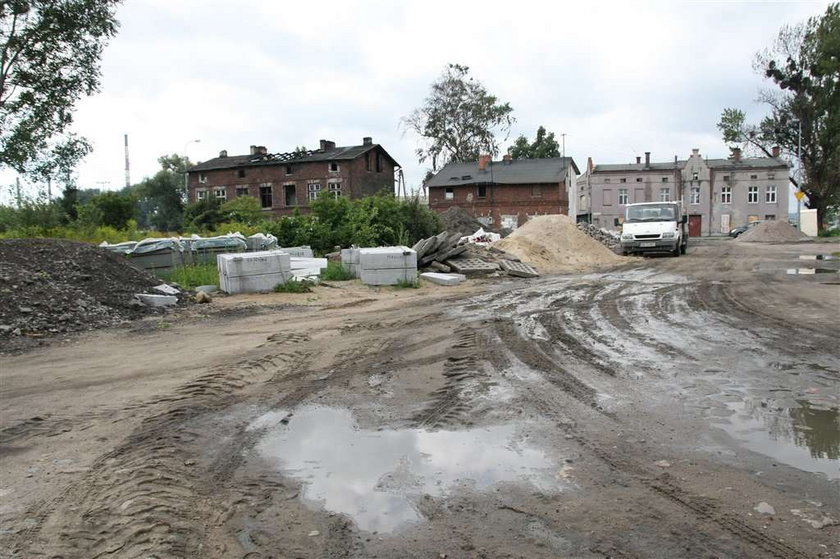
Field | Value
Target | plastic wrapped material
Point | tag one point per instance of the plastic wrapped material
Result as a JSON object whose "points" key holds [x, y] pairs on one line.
{"points": [[481, 237], [119, 248], [158, 254], [261, 241]]}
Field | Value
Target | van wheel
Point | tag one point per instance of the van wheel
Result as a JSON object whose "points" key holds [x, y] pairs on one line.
{"points": [[676, 251], [683, 248]]}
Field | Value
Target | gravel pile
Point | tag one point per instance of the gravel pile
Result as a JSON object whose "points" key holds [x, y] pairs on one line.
{"points": [[609, 239], [458, 220], [49, 287], [772, 232], [553, 243]]}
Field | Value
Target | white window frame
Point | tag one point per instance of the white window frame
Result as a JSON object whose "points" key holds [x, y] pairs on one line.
{"points": [[334, 188], [202, 178], [201, 194], [449, 193], [220, 190], [313, 190], [752, 195], [726, 195], [623, 196], [694, 195], [665, 194], [771, 195]]}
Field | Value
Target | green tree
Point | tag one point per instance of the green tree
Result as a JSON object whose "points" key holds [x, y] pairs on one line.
{"points": [[109, 208], [49, 58], [161, 197], [458, 119], [242, 209], [203, 215], [804, 108], [543, 147]]}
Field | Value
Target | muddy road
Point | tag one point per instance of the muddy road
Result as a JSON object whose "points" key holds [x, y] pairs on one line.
{"points": [[673, 407]]}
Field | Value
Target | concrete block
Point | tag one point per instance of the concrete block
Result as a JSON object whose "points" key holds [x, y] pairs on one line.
{"points": [[308, 263], [253, 263], [472, 266], [166, 289], [518, 269], [157, 300], [385, 258], [350, 255], [254, 283], [443, 279], [390, 276], [297, 252]]}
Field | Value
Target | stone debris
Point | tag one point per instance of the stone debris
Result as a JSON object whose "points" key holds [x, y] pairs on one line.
{"points": [[156, 300], [167, 289], [443, 279], [764, 508], [518, 269], [451, 252], [610, 239], [203, 297]]}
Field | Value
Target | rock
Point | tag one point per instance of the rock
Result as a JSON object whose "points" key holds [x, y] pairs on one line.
{"points": [[25, 310], [764, 508], [663, 464], [314, 533], [166, 289], [5, 328], [203, 297], [157, 300]]}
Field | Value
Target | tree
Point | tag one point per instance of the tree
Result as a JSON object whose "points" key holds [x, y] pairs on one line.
{"points": [[804, 117], [49, 58], [243, 209], [161, 197], [544, 146], [109, 208], [458, 119]]}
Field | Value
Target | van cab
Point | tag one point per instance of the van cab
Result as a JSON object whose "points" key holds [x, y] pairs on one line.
{"points": [[654, 227]]}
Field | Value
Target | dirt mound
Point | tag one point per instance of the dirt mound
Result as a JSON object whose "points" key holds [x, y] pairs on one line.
{"points": [[456, 219], [772, 231], [49, 287], [553, 243]]}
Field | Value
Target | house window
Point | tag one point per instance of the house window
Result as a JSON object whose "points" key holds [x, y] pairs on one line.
{"points": [[241, 191], [754, 177], [378, 162], [726, 178], [289, 169], [220, 193], [695, 195], [290, 194], [606, 181], [607, 200], [695, 176], [536, 191], [333, 167], [313, 189], [240, 173], [449, 193], [770, 195], [664, 179], [752, 195], [638, 179], [771, 176], [770, 217], [622, 180], [265, 197], [622, 196], [201, 195], [664, 194], [482, 191], [202, 178], [726, 195], [335, 189]]}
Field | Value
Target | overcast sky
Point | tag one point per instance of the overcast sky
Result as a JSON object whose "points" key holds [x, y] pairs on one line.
{"points": [[618, 78]]}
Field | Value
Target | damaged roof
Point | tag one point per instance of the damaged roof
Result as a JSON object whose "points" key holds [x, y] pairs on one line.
{"points": [[517, 171], [744, 163], [340, 153]]}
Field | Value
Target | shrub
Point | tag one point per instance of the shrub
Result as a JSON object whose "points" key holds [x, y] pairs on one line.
{"points": [[190, 277], [335, 272], [295, 286]]}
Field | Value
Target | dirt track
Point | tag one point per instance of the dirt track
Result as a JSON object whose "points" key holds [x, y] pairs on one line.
{"points": [[642, 412]]}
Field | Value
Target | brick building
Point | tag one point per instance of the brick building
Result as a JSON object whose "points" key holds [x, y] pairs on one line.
{"points": [[284, 182], [717, 194], [504, 193]]}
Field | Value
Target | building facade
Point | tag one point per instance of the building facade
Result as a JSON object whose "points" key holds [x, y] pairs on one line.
{"points": [[504, 194], [717, 194], [285, 182]]}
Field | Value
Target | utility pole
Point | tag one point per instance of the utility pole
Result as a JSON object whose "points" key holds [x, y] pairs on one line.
{"points": [[127, 176], [17, 191]]}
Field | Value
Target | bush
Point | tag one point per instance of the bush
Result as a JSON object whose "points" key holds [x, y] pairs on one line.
{"points": [[335, 272], [190, 277]]}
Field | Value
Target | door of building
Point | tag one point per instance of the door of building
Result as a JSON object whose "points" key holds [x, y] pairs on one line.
{"points": [[695, 225]]}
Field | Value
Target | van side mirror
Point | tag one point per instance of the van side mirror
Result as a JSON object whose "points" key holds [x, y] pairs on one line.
{"points": [[684, 219]]}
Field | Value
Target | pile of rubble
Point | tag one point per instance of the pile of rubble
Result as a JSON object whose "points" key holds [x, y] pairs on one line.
{"points": [[610, 239], [50, 287], [450, 252]]}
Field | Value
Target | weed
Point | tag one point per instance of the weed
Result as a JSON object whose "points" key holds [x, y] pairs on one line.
{"points": [[295, 286], [190, 277], [408, 284], [335, 272]]}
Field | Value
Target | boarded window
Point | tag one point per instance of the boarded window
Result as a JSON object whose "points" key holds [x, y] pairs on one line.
{"points": [[241, 191], [607, 199]]}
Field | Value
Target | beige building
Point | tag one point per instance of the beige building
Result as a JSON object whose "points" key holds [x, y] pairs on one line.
{"points": [[718, 194]]}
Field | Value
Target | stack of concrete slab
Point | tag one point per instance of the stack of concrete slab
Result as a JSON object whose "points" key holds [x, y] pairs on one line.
{"points": [[350, 261], [307, 268], [298, 252], [252, 272], [438, 248], [387, 265], [473, 266]]}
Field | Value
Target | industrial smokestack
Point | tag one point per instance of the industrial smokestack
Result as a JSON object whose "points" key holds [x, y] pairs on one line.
{"points": [[127, 175]]}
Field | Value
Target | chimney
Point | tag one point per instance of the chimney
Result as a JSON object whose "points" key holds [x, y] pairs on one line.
{"points": [[507, 159], [647, 159], [695, 151], [327, 145], [261, 150], [223, 153], [776, 150], [590, 165], [638, 159], [483, 160], [367, 140], [253, 150], [736, 155]]}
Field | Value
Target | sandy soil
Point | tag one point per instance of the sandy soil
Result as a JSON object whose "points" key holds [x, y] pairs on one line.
{"points": [[672, 407]]}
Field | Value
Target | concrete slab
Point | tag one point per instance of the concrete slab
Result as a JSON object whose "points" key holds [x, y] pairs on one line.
{"points": [[167, 289], [157, 300], [518, 269], [472, 266], [443, 279]]}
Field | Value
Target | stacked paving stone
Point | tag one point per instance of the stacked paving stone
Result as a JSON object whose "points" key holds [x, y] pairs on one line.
{"points": [[609, 239], [444, 253]]}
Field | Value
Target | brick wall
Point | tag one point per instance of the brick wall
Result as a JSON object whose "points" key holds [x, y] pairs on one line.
{"points": [[495, 201]]}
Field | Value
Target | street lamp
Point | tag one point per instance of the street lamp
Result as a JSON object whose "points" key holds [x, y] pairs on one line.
{"points": [[186, 173]]}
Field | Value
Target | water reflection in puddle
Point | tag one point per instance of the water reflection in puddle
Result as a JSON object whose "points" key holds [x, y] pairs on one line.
{"points": [[809, 271], [376, 476], [806, 436]]}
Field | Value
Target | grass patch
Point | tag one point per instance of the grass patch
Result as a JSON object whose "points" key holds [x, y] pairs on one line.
{"points": [[408, 284], [295, 286], [190, 277], [335, 272]]}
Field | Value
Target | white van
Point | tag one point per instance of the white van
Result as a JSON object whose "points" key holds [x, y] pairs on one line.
{"points": [[654, 227]]}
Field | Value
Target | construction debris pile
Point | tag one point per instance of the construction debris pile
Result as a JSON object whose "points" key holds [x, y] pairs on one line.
{"points": [[50, 287], [450, 252], [772, 232], [455, 219], [553, 243], [610, 239]]}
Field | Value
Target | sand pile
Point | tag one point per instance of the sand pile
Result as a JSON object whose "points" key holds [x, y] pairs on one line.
{"points": [[772, 232], [553, 243]]}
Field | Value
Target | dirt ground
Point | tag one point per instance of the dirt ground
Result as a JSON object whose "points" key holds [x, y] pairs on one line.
{"points": [[670, 407]]}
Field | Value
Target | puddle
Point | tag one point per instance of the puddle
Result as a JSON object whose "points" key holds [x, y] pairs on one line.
{"points": [[805, 436], [816, 257], [376, 477], [810, 271]]}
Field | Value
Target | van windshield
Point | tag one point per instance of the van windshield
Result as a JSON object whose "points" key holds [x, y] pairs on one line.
{"points": [[653, 212]]}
